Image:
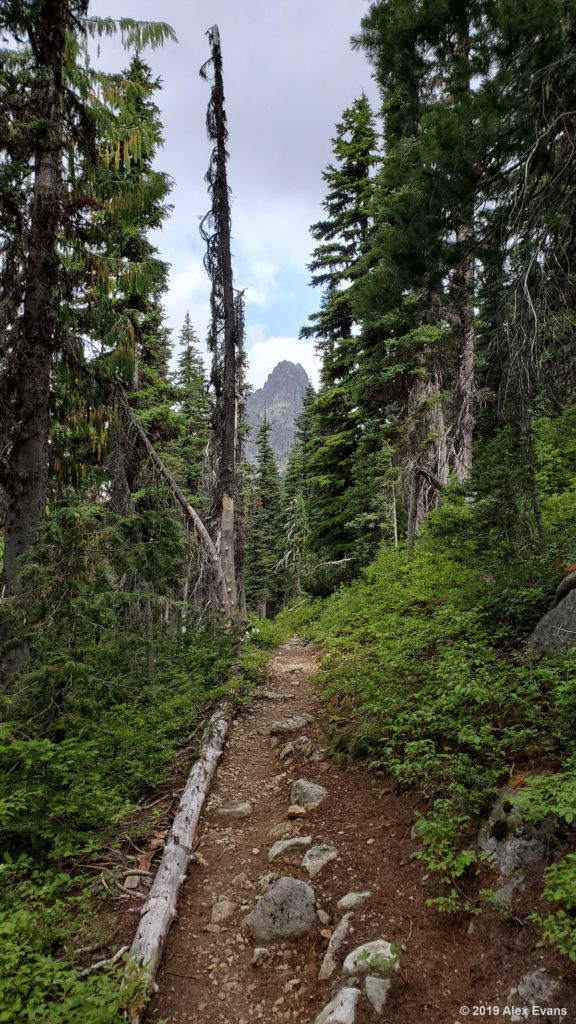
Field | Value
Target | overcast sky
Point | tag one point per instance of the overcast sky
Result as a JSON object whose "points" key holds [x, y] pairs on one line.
{"points": [[289, 72]]}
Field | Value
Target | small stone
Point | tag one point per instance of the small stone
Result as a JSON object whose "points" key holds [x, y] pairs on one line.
{"points": [[342, 1009], [285, 847], [371, 957], [352, 900], [222, 910], [377, 991], [255, 850], [239, 880], [317, 857], [261, 956], [286, 751], [292, 984], [370, 842], [282, 831], [283, 726], [323, 917], [296, 811], [214, 928], [132, 882], [338, 939], [235, 812], [265, 882], [303, 745], [307, 794]]}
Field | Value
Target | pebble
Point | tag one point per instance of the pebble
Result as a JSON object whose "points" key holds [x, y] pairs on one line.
{"points": [[261, 956], [296, 811]]}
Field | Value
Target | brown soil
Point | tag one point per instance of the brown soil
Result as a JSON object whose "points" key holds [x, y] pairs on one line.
{"points": [[206, 976]]}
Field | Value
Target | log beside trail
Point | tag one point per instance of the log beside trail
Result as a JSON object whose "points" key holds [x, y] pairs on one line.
{"points": [[159, 910]]}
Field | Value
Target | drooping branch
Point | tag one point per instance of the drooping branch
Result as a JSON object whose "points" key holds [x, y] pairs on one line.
{"points": [[204, 539]]}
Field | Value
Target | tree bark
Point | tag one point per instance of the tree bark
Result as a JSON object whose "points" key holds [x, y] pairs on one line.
{"points": [[25, 476], [222, 334], [465, 386]]}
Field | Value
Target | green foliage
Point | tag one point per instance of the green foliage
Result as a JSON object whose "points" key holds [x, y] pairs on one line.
{"points": [[559, 927], [265, 576], [39, 979], [553, 795], [441, 833], [422, 676]]}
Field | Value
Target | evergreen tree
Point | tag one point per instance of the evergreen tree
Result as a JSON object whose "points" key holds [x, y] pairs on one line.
{"points": [[190, 387], [336, 262], [265, 581]]}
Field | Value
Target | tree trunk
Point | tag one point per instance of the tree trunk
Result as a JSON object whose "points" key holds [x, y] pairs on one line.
{"points": [[222, 333], [26, 468], [465, 385]]}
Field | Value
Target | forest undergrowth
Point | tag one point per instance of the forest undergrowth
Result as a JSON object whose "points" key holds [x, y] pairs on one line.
{"points": [[428, 677]]}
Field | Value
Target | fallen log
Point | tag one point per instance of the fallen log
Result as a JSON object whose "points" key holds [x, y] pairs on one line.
{"points": [[159, 910]]}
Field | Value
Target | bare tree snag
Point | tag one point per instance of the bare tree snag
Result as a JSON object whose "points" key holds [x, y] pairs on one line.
{"points": [[159, 910], [222, 335]]}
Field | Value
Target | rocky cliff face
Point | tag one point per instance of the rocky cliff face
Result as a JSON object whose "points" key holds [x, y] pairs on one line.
{"points": [[280, 402]]}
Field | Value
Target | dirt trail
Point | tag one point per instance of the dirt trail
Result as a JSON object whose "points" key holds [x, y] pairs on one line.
{"points": [[207, 976]]}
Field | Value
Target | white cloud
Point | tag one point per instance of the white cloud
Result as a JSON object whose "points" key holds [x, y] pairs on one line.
{"points": [[265, 353]]}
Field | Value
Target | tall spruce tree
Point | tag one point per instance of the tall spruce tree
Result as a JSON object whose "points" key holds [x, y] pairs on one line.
{"points": [[265, 579], [342, 238]]}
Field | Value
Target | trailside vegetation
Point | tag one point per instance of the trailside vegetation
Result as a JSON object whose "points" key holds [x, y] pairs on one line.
{"points": [[436, 463]]}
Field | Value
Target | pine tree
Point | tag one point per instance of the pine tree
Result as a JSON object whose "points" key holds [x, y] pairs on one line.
{"points": [[265, 580], [336, 262], [190, 388]]}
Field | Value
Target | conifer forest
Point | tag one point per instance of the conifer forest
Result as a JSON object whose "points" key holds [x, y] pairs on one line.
{"points": [[415, 555]]}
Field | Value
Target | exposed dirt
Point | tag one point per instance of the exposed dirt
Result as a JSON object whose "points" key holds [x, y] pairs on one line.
{"points": [[207, 977]]}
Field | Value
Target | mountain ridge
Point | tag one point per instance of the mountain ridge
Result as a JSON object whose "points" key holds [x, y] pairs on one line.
{"points": [[279, 401]]}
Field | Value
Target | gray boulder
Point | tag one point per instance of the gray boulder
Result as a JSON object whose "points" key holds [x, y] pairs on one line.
{"points": [[557, 628], [307, 794], [371, 958], [287, 911]]}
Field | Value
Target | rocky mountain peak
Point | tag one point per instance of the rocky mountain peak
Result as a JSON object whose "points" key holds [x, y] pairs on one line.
{"points": [[279, 401]]}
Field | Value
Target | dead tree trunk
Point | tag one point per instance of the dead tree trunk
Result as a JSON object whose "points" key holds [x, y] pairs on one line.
{"points": [[26, 390], [222, 340]]}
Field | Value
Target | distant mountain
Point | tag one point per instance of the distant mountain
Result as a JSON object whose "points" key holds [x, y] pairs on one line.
{"points": [[280, 402]]}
